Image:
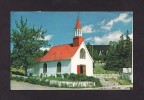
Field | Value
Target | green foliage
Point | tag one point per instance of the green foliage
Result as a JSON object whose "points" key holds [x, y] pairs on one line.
{"points": [[101, 70], [97, 82], [45, 81], [17, 71], [119, 54], [26, 42], [58, 75], [32, 80], [17, 78], [45, 52], [66, 75]]}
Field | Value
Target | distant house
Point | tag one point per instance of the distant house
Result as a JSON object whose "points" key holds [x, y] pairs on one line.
{"points": [[66, 58]]}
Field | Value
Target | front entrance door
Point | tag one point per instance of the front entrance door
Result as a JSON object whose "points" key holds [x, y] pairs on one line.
{"points": [[81, 69]]}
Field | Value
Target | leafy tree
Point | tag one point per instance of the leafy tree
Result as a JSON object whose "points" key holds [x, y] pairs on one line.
{"points": [[26, 42]]}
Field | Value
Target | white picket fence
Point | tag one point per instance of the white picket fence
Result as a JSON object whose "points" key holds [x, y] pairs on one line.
{"points": [[72, 84]]}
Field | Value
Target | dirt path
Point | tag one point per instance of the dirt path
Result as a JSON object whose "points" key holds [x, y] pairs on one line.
{"points": [[27, 86]]}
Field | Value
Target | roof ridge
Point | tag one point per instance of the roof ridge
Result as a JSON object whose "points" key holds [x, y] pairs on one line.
{"points": [[62, 45]]}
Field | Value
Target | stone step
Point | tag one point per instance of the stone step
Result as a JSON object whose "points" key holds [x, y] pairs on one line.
{"points": [[108, 83]]}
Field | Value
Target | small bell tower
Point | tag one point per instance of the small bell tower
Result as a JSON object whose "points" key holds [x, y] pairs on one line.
{"points": [[78, 39], [78, 28]]}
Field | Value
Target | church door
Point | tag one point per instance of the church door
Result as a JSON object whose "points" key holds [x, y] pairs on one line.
{"points": [[78, 69], [81, 69]]}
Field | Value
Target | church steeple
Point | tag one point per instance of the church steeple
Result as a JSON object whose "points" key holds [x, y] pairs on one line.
{"points": [[78, 39], [78, 28]]}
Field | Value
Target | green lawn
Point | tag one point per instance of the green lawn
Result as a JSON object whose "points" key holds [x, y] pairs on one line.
{"points": [[101, 70]]}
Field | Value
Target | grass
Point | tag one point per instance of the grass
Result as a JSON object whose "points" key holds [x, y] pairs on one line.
{"points": [[18, 71], [101, 70], [120, 81]]}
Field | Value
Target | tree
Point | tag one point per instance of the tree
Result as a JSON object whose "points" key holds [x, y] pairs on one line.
{"points": [[45, 52], [94, 53], [120, 54], [111, 56], [26, 44]]}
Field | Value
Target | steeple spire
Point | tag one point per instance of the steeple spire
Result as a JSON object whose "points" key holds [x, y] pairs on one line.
{"points": [[78, 39], [78, 28]]}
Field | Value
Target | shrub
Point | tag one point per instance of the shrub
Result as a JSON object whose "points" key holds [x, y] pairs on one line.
{"points": [[73, 77], [90, 78], [66, 75], [97, 82], [32, 80], [17, 78], [44, 82], [58, 75], [81, 77]]}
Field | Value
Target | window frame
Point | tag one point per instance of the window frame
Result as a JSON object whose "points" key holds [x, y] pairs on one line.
{"points": [[59, 67], [82, 53], [45, 68]]}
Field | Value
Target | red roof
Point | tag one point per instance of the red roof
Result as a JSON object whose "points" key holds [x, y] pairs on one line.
{"points": [[78, 25], [60, 52]]}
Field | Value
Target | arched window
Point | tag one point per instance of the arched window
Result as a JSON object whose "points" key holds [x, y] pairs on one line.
{"points": [[44, 68], [82, 54], [58, 67]]}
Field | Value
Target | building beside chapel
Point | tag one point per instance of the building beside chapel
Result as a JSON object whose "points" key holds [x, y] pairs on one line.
{"points": [[66, 58]]}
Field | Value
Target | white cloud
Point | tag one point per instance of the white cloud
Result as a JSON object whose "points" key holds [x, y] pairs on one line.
{"points": [[113, 36], [105, 39], [123, 17], [43, 49], [47, 37], [88, 29], [89, 39]]}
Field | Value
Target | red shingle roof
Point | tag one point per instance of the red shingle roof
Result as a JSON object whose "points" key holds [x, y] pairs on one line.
{"points": [[60, 52]]}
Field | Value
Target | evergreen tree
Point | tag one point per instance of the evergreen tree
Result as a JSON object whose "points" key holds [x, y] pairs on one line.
{"points": [[120, 54], [26, 44], [111, 57]]}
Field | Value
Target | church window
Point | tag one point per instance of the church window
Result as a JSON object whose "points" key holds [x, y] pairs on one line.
{"points": [[82, 54], [45, 68], [58, 67]]}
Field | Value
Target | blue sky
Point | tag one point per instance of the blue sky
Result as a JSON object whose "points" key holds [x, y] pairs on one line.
{"points": [[98, 27]]}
